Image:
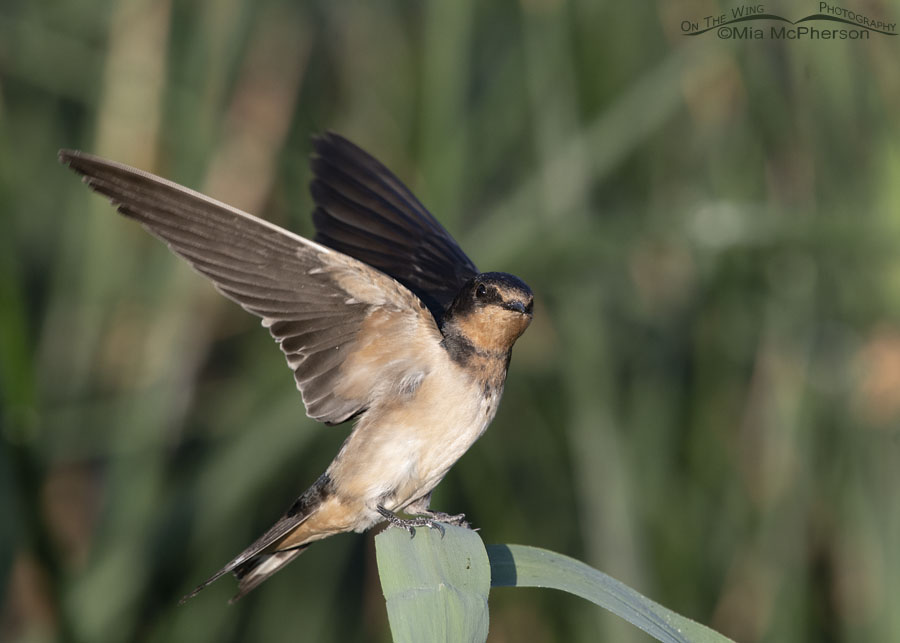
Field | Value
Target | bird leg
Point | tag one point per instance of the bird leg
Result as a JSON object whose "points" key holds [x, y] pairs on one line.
{"points": [[411, 523]]}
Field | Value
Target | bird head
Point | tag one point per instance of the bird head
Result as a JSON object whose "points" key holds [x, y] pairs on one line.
{"points": [[490, 311]]}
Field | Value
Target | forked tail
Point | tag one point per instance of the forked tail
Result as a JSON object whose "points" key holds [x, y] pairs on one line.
{"points": [[263, 558]]}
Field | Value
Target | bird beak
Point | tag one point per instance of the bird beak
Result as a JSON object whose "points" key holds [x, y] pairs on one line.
{"points": [[517, 306]]}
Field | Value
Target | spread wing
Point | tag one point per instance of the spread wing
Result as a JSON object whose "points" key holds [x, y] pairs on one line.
{"points": [[324, 309], [364, 211]]}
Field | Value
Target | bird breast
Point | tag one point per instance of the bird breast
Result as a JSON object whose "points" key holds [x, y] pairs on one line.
{"points": [[402, 449]]}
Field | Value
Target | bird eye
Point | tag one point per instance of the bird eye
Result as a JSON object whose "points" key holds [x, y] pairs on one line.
{"points": [[481, 291]]}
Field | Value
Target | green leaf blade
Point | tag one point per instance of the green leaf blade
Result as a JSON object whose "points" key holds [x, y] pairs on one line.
{"points": [[522, 566], [436, 588]]}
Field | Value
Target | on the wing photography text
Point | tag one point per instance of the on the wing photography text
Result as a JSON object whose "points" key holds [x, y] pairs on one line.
{"points": [[753, 22]]}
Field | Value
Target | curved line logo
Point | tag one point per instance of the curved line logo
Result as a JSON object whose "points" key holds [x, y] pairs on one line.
{"points": [[753, 22]]}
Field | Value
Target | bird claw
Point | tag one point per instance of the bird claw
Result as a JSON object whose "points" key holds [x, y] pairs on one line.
{"points": [[411, 523], [457, 520]]}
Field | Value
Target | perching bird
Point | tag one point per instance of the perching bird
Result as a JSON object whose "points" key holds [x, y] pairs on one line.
{"points": [[382, 319]]}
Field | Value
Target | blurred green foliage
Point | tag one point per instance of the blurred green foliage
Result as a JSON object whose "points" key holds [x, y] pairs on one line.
{"points": [[707, 405]]}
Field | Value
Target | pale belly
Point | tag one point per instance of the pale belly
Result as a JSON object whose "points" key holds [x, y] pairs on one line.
{"points": [[398, 455]]}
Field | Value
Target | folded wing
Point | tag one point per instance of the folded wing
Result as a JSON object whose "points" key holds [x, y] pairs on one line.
{"points": [[319, 304]]}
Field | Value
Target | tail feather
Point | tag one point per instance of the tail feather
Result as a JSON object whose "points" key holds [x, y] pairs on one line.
{"points": [[256, 570], [255, 555], [260, 560]]}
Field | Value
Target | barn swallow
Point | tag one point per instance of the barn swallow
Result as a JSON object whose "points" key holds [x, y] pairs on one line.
{"points": [[382, 318]]}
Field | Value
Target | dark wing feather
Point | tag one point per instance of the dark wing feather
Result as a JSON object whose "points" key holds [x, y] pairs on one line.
{"points": [[313, 300], [364, 211]]}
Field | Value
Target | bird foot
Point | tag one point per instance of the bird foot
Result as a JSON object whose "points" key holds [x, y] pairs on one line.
{"points": [[459, 520], [410, 524]]}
